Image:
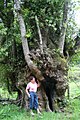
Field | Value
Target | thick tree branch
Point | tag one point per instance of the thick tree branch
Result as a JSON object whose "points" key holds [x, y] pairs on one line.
{"points": [[64, 27], [39, 32], [30, 63]]}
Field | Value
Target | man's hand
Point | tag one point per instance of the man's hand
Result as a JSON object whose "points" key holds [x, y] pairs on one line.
{"points": [[28, 95]]}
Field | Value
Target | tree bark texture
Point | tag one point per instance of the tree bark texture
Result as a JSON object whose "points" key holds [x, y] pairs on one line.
{"points": [[64, 27], [40, 36]]}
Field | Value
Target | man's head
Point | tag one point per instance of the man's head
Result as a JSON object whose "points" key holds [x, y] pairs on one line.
{"points": [[32, 79]]}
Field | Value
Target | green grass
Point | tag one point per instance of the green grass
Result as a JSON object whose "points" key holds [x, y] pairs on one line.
{"points": [[5, 94], [74, 89], [72, 110], [12, 112], [74, 73]]}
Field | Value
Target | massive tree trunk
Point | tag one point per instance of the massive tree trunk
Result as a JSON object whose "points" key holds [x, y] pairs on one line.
{"points": [[36, 72], [51, 72]]}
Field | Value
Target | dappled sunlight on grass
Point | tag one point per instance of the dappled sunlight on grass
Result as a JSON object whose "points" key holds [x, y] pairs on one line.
{"points": [[5, 94], [74, 89], [74, 81]]}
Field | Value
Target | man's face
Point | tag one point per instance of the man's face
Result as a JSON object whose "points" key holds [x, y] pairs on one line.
{"points": [[33, 80]]}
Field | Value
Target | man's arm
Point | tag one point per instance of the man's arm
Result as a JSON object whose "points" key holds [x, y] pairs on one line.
{"points": [[27, 93], [27, 88], [38, 84]]}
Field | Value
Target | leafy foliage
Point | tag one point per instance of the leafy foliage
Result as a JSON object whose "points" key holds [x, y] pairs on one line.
{"points": [[75, 59], [2, 29]]}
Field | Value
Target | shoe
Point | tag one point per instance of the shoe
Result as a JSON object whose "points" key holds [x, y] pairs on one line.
{"points": [[39, 113], [32, 113]]}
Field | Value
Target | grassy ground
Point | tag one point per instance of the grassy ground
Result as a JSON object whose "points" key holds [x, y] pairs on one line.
{"points": [[72, 110], [11, 112]]}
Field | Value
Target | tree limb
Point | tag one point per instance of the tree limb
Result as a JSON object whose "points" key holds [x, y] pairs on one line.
{"points": [[64, 27], [30, 63], [39, 32]]}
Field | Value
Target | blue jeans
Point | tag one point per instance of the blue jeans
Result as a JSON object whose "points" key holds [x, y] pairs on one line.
{"points": [[33, 100]]}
